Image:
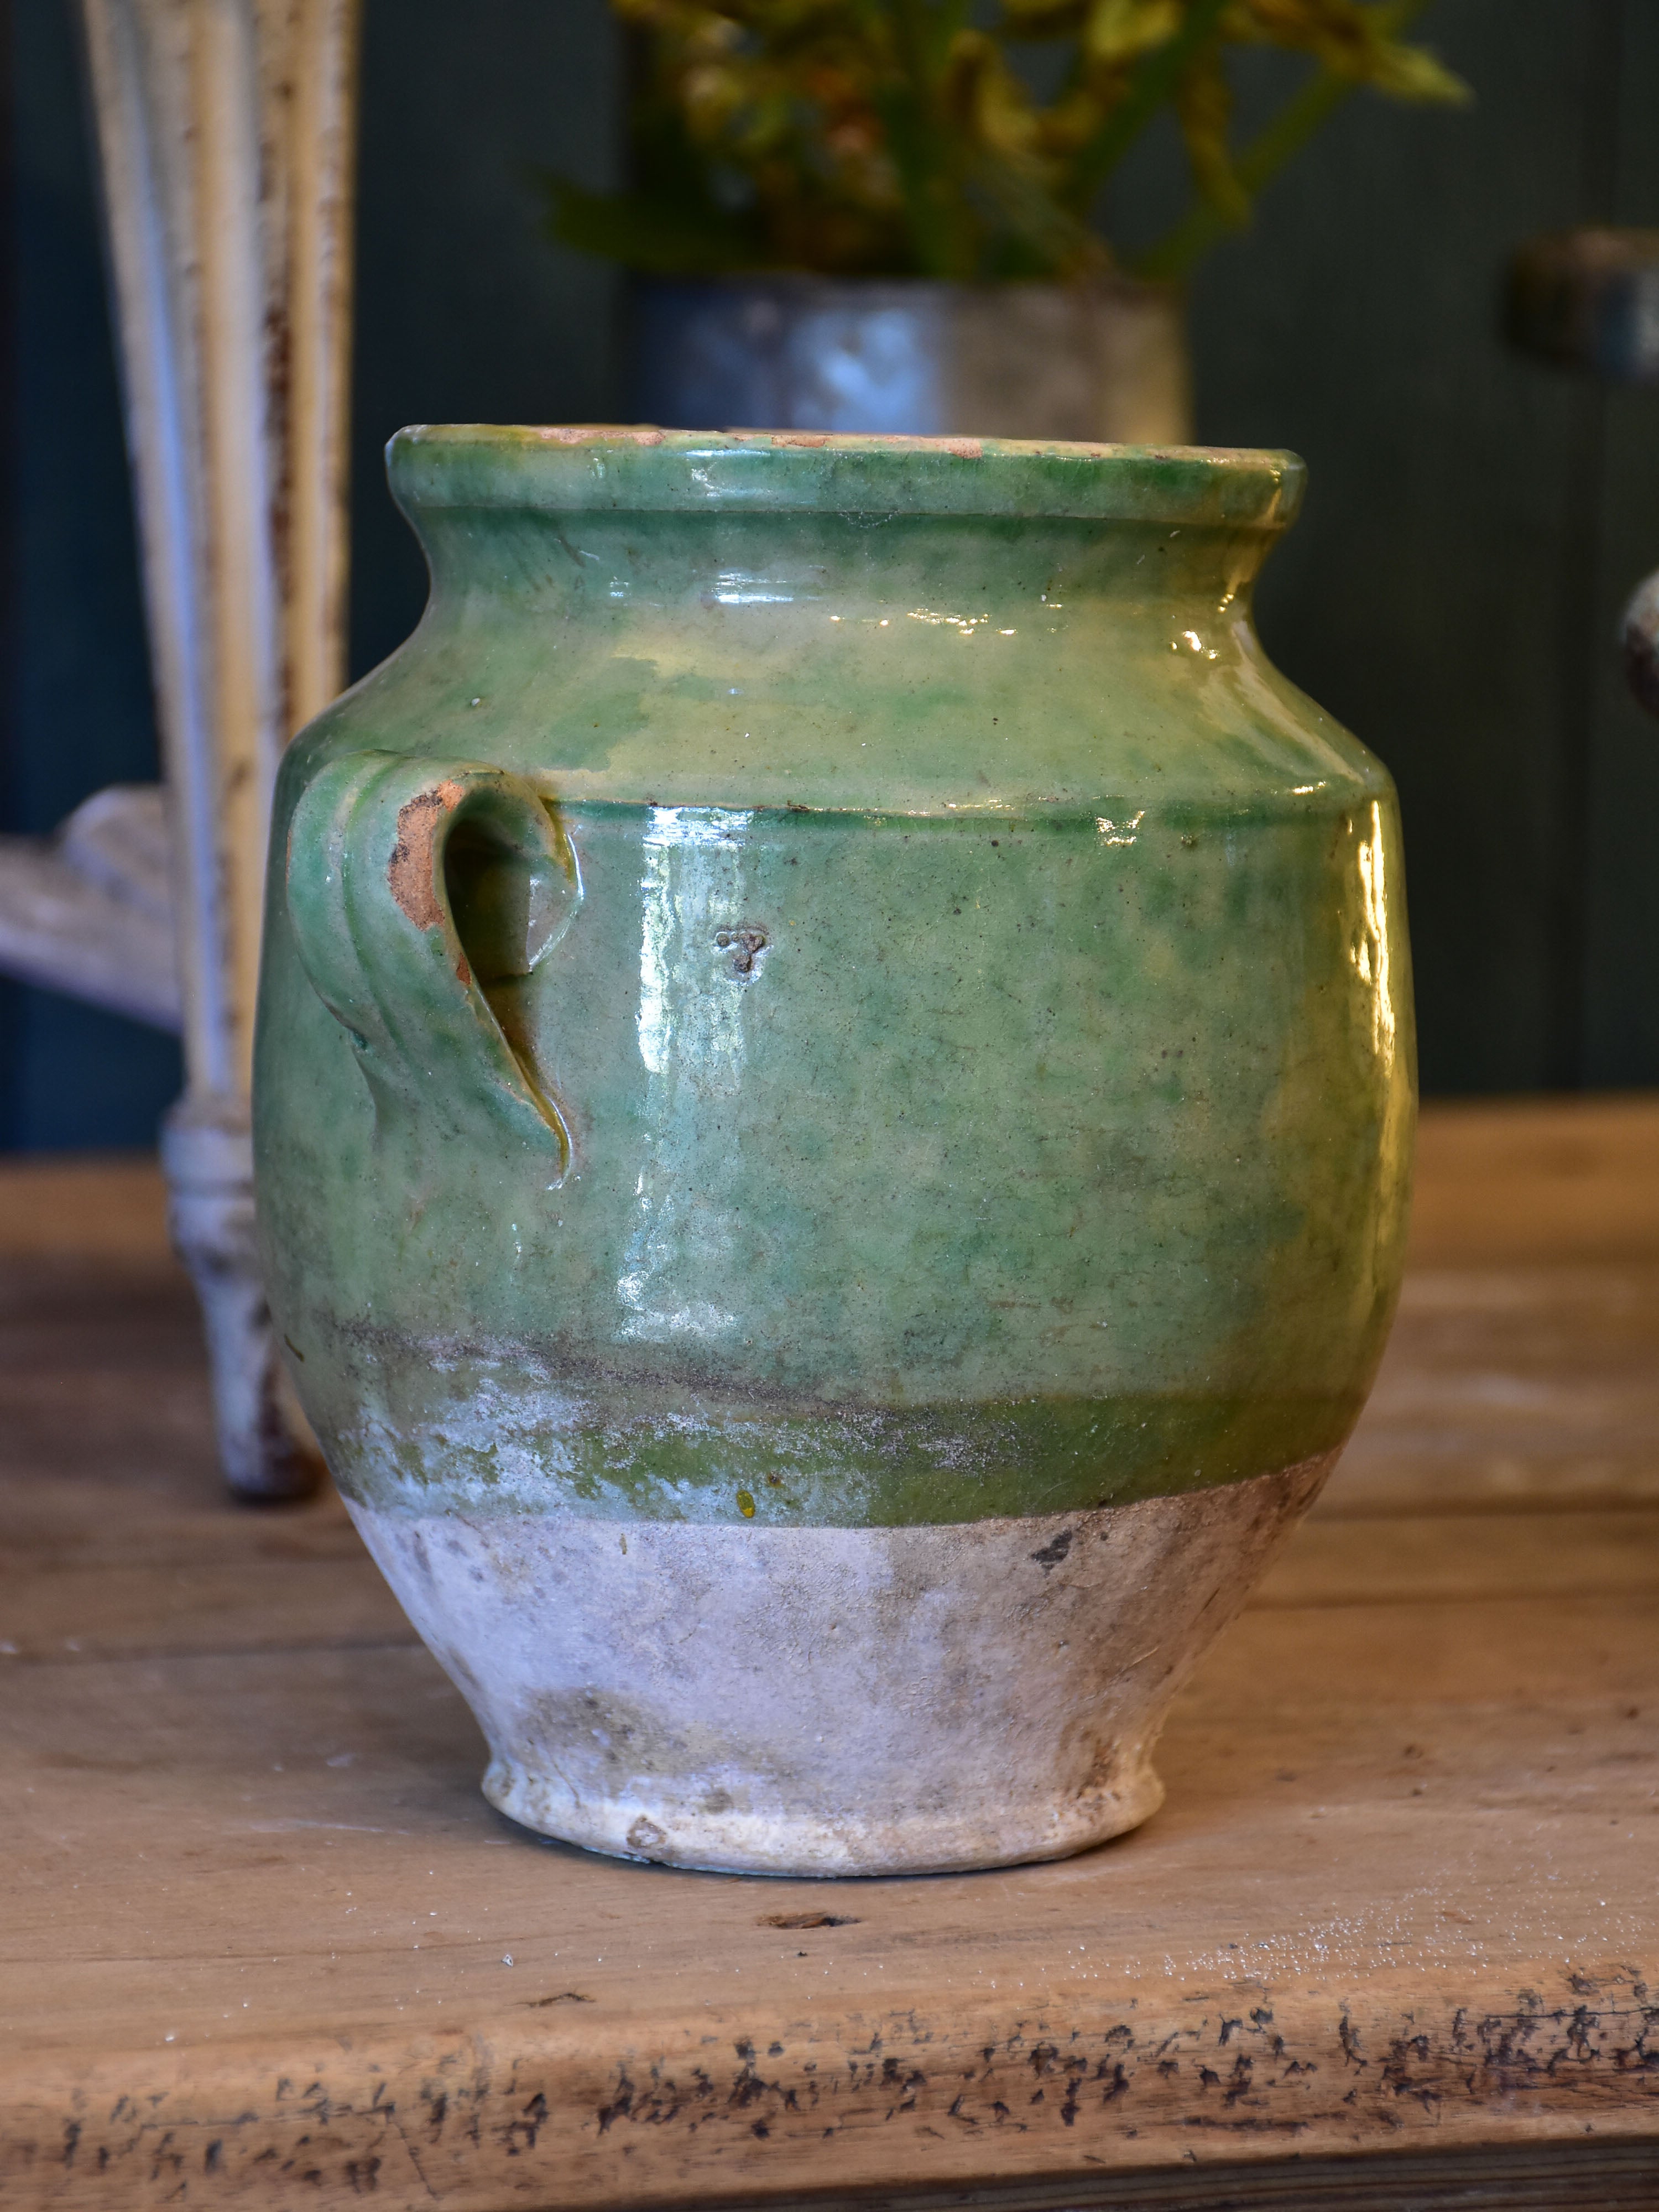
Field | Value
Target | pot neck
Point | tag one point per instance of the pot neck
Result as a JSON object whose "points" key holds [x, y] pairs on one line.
{"points": [[964, 571], [968, 534]]}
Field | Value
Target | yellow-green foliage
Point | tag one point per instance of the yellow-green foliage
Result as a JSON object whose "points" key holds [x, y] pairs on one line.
{"points": [[900, 137]]}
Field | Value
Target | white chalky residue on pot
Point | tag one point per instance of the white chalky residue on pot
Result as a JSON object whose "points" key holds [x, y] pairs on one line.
{"points": [[832, 1700]]}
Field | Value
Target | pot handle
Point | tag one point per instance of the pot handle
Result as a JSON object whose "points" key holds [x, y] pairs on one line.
{"points": [[422, 895]]}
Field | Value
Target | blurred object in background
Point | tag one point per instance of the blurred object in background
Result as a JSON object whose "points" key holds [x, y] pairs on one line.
{"points": [[226, 133], [1588, 299], [1105, 360], [1640, 637], [90, 911], [874, 219]]}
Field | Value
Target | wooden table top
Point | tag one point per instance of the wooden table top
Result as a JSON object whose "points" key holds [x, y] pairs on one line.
{"points": [[1393, 1941]]}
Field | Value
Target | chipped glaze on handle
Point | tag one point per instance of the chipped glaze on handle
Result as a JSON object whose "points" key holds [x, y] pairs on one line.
{"points": [[373, 909]]}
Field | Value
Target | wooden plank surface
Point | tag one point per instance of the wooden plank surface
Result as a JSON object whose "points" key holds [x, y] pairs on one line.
{"points": [[1392, 1940]]}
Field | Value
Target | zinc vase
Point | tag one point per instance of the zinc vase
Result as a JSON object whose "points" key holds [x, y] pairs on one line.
{"points": [[913, 356], [835, 1101]]}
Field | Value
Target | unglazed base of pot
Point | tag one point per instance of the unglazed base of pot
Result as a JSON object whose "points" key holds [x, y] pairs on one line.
{"points": [[832, 1701]]}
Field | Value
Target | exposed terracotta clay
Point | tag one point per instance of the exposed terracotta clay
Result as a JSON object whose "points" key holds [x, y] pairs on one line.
{"points": [[412, 871]]}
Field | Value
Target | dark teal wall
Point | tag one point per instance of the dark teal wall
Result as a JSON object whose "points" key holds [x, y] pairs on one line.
{"points": [[466, 313], [76, 706], [1473, 523]]}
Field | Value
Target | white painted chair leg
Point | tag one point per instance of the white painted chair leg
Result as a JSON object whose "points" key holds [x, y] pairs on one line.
{"points": [[208, 1153], [226, 133]]}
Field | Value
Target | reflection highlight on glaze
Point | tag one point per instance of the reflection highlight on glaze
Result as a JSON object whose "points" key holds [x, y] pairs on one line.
{"points": [[1370, 952], [690, 1026], [965, 624], [734, 589]]}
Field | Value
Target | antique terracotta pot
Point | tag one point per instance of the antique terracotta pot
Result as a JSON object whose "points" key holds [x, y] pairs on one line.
{"points": [[835, 1104]]}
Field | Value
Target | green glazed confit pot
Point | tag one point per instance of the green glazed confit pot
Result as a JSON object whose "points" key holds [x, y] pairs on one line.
{"points": [[834, 1107]]}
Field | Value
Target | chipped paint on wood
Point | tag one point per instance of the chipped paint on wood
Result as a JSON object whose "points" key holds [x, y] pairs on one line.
{"points": [[605, 2115]]}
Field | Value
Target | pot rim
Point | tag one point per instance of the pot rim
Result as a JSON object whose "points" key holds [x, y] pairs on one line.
{"points": [[588, 467]]}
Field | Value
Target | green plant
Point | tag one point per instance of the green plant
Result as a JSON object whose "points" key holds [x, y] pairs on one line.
{"points": [[900, 137]]}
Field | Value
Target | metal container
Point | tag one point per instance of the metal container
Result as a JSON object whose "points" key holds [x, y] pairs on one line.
{"points": [[1105, 362], [1589, 299]]}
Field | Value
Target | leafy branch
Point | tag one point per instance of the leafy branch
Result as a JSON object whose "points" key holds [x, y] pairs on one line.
{"points": [[895, 137], [1179, 250]]}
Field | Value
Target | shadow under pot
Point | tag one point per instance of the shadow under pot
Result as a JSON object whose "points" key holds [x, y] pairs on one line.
{"points": [[835, 1102]]}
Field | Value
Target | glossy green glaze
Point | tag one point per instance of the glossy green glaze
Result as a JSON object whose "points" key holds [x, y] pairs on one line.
{"points": [[830, 982]]}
